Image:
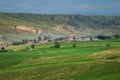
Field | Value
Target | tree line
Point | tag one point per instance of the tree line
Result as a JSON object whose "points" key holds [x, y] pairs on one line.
{"points": [[103, 37]]}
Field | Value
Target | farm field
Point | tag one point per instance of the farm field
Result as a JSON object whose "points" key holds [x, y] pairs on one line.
{"points": [[98, 60]]}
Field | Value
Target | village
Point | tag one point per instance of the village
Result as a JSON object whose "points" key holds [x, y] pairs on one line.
{"points": [[61, 40], [46, 40]]}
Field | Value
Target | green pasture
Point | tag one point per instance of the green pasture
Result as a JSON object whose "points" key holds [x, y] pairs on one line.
{"points": [[88, 61]]}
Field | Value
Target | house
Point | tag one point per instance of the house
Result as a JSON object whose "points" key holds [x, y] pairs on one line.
{"points": [[69, 40], [80, 39], [94, 39], [84, 39], [43, 42]]}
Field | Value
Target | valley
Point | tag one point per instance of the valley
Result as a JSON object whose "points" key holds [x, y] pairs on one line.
{"points": [[18, 26]]}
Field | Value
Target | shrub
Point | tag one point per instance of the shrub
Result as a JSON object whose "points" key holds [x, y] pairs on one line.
{"points": [[51, 47], [57, 45], [27, 48], [3, 48], [74, 46], [107, 44], [103, 37], [33, 46]]}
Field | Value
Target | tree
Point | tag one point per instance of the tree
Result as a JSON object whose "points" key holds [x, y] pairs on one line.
{"points": [[91, 39], [61, 38], [46, 38], [27, 48], [25, 41], [17, 43], [35, 41], [103, 37], [116, 36], [74, 38], [107, 44], [74, 46], [3, 48], [57, 45], [33, 46], [49, 40], [39, 38]]}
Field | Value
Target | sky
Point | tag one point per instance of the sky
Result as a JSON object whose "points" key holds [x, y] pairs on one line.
{"points": [[84, 7]]}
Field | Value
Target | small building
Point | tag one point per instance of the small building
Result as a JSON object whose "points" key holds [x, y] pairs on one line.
{"points": [[94, 39], [69, 40], [43, 42]]}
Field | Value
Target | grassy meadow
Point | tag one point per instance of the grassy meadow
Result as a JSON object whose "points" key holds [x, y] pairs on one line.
{"points": [[87, 61]]}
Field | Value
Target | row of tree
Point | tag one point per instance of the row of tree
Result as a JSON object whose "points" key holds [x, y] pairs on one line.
{"points": [[25, 41], [103, 37]]}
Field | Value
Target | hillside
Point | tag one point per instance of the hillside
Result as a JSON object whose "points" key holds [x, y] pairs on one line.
{"points": [[18, 26]]}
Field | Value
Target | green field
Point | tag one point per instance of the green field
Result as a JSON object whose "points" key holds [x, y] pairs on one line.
{"points": [[88, 61]]}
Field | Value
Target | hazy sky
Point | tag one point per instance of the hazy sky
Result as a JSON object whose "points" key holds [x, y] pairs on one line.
{"points": [[91, 7]]}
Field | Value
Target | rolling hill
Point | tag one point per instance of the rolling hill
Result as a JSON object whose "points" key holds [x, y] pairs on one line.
{"points": [[18, 26], [88, 61]]}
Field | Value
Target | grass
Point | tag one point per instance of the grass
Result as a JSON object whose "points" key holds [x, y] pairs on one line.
{"points": [[88, 61]]}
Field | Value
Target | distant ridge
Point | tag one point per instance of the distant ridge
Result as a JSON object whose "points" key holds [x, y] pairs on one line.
{"points": [[55, 25]]}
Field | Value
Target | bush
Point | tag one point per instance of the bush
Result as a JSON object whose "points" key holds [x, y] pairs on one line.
{"points": [[33, 46], [107, 44], [74, 46], [27, 49], [51, 47], [57, 45], [3, 48], [103, 37]]}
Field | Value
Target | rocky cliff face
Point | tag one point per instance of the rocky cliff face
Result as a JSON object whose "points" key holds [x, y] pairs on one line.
{"points": [[58, 28], [30, 29]]}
